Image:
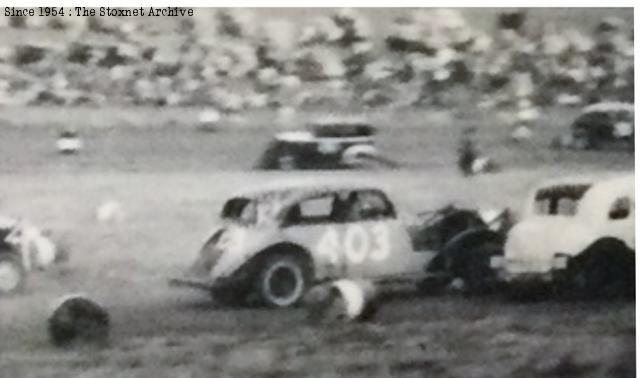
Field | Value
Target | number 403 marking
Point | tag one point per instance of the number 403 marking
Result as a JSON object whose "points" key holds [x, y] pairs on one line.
{"points": [[357, 244]]}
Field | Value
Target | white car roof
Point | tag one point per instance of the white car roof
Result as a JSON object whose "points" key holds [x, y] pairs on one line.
{"points": [[296, 188]]}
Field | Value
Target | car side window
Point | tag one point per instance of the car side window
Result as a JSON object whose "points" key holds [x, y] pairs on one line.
{"points": [[620, 209], [367, 205], [311, 211]]}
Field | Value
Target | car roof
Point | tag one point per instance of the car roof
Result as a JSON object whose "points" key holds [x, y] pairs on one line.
{"points": [[335, 119], [608, 107], [295, 189]]}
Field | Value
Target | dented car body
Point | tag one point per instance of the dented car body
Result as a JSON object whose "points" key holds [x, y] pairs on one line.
{"points": [[578, 232], [275, 243]]}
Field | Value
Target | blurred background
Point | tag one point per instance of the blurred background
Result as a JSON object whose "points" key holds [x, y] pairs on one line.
{"points": [[238, 59]]}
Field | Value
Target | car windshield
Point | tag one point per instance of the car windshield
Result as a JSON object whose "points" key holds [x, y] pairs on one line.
{"points": [[241, 210], [559, 200], [342, 130]]}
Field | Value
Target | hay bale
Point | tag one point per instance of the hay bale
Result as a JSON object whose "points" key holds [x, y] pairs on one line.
{"points": [[78, 319]]}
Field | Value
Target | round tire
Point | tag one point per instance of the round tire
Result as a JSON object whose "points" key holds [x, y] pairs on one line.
{"points": [[282, 280], [606, 269], [12, 273]]}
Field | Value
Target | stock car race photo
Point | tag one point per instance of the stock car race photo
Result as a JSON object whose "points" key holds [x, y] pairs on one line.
{"points": [[317, 192]]}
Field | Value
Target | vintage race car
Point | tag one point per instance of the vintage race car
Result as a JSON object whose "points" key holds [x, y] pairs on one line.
{"points": [[577, 235], [276, 243], [331, 143], [603, 125]]}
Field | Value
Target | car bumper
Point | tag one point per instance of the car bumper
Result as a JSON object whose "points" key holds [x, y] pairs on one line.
{"points": [[522, 272]]}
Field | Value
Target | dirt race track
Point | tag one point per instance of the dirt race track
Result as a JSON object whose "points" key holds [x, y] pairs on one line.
{"points": [[171, 185]]}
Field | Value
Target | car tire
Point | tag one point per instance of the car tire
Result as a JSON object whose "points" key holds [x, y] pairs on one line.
{"points": [[474, 268], [12, 273], [282, 280], [606, 269]]}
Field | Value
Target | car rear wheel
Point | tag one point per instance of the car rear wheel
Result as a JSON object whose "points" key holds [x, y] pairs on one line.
{"points": [[12, 274], [282, 280], [606, 269]]}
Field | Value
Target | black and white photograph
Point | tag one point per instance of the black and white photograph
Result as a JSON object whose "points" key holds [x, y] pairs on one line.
{"points": [[193, 192]]}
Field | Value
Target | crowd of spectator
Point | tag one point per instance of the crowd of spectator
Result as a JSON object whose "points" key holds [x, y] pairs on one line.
{"points": [[232, 60]]}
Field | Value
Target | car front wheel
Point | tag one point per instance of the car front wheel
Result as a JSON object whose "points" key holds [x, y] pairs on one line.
{"points": [[282, 280]]}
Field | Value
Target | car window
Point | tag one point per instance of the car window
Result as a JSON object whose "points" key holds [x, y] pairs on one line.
{"points": [[311, 211], [559, 200], [366, 205], [593, 119], [620, 209], [343, 130], [241, 210]]}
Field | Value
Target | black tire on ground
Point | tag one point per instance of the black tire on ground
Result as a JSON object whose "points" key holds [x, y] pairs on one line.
{"points": [[473, 266], [78, 319], [282, 279], [12, 273], [605, 269]]}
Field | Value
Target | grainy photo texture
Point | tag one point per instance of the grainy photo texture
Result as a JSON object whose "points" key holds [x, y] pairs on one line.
{"points": [[190, 192]]}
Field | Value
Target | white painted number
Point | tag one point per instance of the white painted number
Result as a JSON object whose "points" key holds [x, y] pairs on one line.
{"points": [[381, 243], [358, 244], [329, 246]]}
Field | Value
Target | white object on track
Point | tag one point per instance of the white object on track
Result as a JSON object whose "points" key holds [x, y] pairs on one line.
{"points": [[110, 211]]}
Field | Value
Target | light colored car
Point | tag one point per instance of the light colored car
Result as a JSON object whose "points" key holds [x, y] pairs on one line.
{"points": [[579, 233], [276, 243]]}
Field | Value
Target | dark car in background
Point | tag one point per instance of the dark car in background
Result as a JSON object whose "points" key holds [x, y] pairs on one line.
{"points": [[603, 125], [332, 143]]}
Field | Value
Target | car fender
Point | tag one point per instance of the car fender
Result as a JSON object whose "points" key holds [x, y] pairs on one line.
{"points": [[532, 244]]}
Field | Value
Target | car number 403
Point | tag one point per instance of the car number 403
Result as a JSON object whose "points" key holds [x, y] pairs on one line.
{"points": [[357, 244]]}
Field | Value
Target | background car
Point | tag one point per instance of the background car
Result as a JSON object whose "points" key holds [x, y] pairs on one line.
{"points": [[603, 125], [332, 143]]}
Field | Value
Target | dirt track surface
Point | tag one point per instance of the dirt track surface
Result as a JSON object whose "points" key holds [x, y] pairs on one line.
{"points": [[444, 336], [171, 187]]}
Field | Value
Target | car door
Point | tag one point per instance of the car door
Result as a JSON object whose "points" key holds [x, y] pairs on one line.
{"points": [[375, 243], [312, 224]]}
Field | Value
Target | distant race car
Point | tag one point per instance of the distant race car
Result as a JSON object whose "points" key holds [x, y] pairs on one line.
{"points": [[575, 235], [331, 143], [276, 243], [603, 125]]}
